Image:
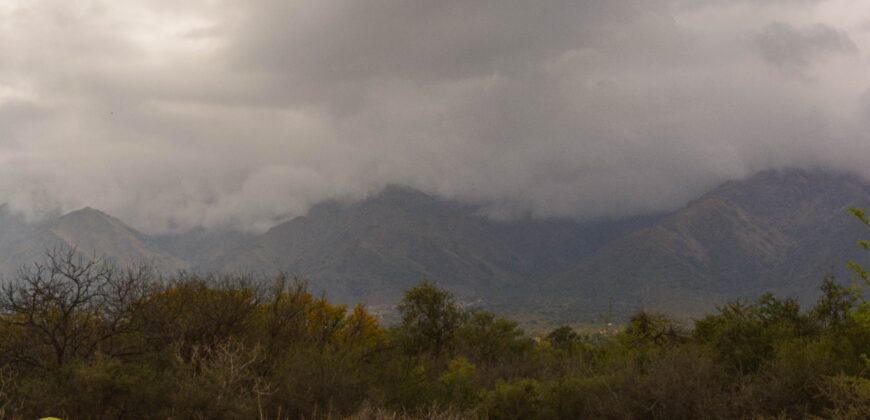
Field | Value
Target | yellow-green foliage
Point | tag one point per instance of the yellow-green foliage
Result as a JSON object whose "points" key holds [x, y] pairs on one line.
{"points": [[223, 347], [458, 383]]}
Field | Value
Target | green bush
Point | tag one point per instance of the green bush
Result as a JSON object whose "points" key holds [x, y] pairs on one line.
{"points": [[219, 348], [517, 399]]}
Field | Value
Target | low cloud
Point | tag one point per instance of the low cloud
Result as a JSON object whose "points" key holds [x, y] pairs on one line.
{"points": [[796, 49], [242, 114]]}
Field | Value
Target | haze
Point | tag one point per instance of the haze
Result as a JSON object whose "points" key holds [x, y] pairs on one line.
{"points": [[243, 113]]}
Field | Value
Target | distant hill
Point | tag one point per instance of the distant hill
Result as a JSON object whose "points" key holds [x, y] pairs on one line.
{"points": [[203, 250], [91, 232], [778, 231], [375, 249]]}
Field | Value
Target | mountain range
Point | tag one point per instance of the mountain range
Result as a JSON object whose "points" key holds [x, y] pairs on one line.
{"points": [[780, 231]]}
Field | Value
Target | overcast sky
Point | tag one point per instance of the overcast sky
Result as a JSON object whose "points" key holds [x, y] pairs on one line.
{"points": [[235, 113]]}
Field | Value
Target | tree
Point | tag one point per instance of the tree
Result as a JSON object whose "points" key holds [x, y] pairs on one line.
{"points": [[863, 243], [430, 320], [490, 340], [835, 306], [862, 313], [193, 309], [652, 328], [563, 338], [71, 306]]}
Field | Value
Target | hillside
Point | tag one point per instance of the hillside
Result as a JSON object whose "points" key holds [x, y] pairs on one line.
{"points": [[374, 249], [777, 231], [89, 231]]}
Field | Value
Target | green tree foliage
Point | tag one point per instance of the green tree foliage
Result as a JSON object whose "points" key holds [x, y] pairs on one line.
{"points": [[458, 385], [745, 336], [84, 339], [862, 313], [430, 320], [563, 338], [80, 338], [516, 399], [837, 304], [490, 341]]}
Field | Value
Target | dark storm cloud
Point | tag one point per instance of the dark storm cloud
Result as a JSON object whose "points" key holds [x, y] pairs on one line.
{"points": [[794, 49], [343, 42], [244, 113]]}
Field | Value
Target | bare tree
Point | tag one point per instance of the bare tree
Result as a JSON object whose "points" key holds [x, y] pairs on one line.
{"points": [[71, 306]]}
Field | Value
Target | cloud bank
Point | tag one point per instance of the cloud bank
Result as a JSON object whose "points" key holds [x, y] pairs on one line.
{"points": [[222, 113]]}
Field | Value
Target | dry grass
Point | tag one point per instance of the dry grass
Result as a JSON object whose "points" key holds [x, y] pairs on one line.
{"points": [[367, 412]]}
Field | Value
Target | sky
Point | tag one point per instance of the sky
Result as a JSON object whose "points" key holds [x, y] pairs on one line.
{"points": [[239, 114]]}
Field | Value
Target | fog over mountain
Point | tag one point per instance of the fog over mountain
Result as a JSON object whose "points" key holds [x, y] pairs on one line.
{"points": [[228, 114], [776, 231]]}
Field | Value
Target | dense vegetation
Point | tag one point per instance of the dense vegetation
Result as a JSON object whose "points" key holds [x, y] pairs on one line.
{"points": [[82, 339]]}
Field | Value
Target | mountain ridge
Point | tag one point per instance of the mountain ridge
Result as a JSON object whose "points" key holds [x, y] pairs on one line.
{"points": [[740, 239], [777, 231]]}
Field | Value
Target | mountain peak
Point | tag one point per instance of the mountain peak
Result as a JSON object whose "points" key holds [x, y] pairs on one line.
{"points": [[413, 201], [89, 218], [791, 176], [87, 211], [93, 231], [401, 194]]}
